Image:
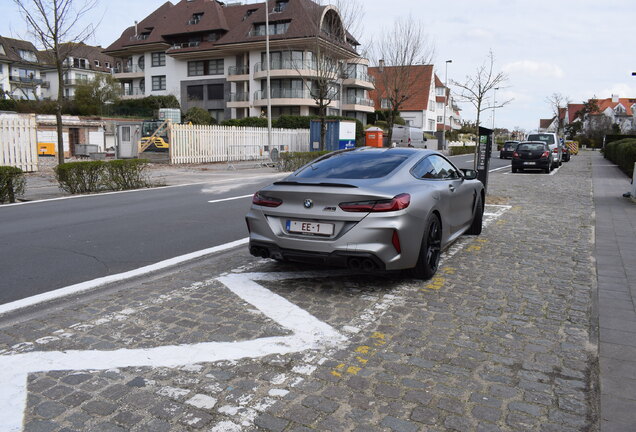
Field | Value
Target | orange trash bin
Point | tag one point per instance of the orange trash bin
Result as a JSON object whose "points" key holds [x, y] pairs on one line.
{"points": [[374, 137]]}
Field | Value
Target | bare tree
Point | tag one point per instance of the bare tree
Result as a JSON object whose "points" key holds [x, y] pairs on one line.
{"points": [[398, 52], [475, 88], [558, 104], [56, 26]]}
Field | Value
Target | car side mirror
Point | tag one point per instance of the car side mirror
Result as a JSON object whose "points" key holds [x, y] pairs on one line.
{"points": [[469, 174]]}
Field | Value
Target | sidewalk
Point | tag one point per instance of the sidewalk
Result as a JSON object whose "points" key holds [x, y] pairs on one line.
{"points": [[42, 184], [615, 254]]}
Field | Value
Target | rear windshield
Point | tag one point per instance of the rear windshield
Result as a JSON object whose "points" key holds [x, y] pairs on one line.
{"points": [[531, 147], [547, 138], [354, 165], [510, 144]]}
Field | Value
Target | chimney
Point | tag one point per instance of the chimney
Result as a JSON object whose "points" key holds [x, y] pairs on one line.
{"points": [[615, 98], [381, 66], [135, 28]]}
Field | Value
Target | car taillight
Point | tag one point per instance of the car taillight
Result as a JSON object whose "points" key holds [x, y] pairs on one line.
{"points": [[515, 154], [398, 202], [265, 201], [556, 150], [396, 242], [545, 154]]}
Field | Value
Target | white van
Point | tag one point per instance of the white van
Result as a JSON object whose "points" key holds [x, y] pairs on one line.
{"points": [[552, 140], [407, 136]]}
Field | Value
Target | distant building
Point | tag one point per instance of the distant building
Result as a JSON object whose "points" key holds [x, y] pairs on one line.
{"points": [[20, 68], [620, 111], [212, 55]]}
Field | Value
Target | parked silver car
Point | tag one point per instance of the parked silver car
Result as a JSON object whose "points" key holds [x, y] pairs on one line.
{"points": [[368, 209]]}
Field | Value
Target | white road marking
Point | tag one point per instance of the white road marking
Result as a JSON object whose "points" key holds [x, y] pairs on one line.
{"points": [[89, 285], [500, 168], [231, 199], [308, 333]]}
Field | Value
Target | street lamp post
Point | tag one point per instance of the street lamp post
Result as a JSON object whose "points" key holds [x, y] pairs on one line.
{"points": [[494, 103], [445, 103], [269, 87]]}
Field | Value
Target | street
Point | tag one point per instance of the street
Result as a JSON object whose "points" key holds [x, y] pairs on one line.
{"points": [[497, 340]]}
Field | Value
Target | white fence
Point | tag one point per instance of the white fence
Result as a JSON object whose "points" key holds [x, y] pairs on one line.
{"points": [[200, 144], [18, 143]]}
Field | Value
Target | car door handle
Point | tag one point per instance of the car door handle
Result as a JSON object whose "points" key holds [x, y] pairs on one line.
{"points": [[452, 188]]}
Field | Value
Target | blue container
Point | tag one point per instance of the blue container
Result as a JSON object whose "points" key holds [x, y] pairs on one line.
{"points": [[340, 135]]}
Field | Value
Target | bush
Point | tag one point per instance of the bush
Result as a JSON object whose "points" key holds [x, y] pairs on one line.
{"points": [[460, 150], [198, 116], [12, 183], [96, 176], [125, 174], [246, 122], [623, 154], [292, 161]]}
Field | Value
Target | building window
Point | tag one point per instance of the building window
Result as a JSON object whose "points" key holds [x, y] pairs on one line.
{"points": [[217, 114], [215, 92], [384, 104], [107, 65], [141, 62], [196, 68], [159, 82], [195, 93], [27, 55], [158, 59], [440, 119], [196, 17], [215, 67], [281, 5], [275, 28], [80, 63]]}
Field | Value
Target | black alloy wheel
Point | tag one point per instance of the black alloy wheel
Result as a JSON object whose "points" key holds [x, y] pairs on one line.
{"points": [[430, 251]]}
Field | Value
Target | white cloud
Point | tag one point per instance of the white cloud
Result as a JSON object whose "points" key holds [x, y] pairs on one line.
{"points": [[621, 89], [534, 68]]}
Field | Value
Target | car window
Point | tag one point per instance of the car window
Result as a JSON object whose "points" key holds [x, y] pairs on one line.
{"points": [[354, 165], [435, 167], [531, 147], [547, 138]]}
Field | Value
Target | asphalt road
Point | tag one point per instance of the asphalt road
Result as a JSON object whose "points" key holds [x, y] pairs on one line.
{"points": [[53, 244]]}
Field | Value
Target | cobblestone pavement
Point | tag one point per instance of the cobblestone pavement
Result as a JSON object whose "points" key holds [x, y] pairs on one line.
{"points": [[502, 339]]}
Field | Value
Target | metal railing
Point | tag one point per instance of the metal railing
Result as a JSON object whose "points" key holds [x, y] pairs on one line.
{"points": [[75, 82], [239, 97], [128, 69], [360, 76], [185, 45], [238, 70], [287, 64], [283, 94], [134, 91], [25, 80], [359, 101]]}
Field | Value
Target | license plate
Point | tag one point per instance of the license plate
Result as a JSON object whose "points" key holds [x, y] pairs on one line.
{"points": [[309, 228], [529, 163]]}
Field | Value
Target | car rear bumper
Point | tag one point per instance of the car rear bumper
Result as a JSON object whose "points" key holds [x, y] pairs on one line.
{"points": [[538, 164]]}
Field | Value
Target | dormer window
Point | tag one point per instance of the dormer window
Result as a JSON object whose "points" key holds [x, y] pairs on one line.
{"points": [[196, 17], [2, 50], [275, 28], [249, 13], [281, 5], [27, 55], [97, 64]]}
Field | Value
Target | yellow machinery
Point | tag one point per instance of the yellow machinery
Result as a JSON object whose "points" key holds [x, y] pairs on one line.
{"points": [[154, 135]]}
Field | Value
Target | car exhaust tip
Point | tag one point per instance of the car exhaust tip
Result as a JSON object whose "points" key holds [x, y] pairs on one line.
{"points": [[368, 265], [259, 252], [355, 264]]}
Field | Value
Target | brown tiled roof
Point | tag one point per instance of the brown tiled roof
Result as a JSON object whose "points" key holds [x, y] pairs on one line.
{"points": [[421, 77], [81, 50], [627, 103], [573, 109], [545, 123], [231, 21], [438, 82], [11, 47]]}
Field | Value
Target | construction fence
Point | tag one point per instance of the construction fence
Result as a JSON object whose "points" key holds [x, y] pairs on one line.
{"points": [[18, 142], [201, 144]]}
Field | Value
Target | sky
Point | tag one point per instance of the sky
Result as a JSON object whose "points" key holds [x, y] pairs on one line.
{"points": [[577, 48]]}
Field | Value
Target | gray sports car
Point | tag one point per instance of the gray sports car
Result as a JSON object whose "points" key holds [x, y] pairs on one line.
{"points": [[368, 209]]}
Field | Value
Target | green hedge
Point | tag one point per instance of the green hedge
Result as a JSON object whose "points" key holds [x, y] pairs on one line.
{"points": [[460, 150], [623, 154], [97, 176], [12, 183], [292, 161]]}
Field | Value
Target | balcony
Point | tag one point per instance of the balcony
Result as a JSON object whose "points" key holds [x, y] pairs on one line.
{"points": [[286, 68], [46, 84], [179, 46], [239, 100], [361, 80], [133, 93], [76, 82], [285, 97], [358, 104], [238, 73], [26, 81], [128, 71]]}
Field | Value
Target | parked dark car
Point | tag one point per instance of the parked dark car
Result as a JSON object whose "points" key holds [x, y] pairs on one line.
{"points": [[508, 149], [535, 155], [566, 154]]}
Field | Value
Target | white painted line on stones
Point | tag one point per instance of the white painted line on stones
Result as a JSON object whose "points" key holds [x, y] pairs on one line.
{"points": [[308, 333], [500, 168], [230, 199], [89, 285]]}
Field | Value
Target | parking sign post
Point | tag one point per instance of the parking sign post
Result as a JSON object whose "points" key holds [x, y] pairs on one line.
{"points": [[482, 159]]}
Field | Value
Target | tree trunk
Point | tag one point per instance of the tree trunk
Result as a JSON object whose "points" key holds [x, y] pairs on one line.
{"points": [[323, 125], [390, 121]]}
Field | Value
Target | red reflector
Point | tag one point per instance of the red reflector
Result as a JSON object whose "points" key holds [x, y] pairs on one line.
{"points": [[545, 154], [396, 242], [556, 150], [265, 201], [515, 154], [399, 202]]}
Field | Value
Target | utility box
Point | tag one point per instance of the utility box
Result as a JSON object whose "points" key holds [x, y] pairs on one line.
{"points": [[172, 114], [340, 135], [46, 149], [128, 137], [373, 137]]}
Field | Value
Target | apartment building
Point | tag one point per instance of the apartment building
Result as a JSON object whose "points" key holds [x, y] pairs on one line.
{"points": [[82, 64], [213, 55], [20, 68], [449, 118]]}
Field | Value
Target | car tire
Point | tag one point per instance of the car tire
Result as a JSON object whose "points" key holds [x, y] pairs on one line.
{"points": [[514, 170], [476, 225], [548, 169], [430, 250]]}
